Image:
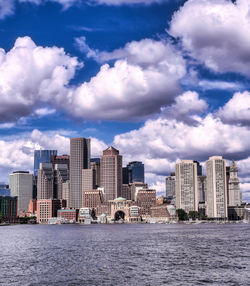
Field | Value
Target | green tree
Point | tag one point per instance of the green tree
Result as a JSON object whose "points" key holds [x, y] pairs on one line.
{"points": [[182, 215], [193, 215]]}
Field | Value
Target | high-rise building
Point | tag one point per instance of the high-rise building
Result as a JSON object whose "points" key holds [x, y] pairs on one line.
{"points": [[170, 186], [66, 191], [234, 186], [88, 181], [21, 185], [95, 165], [61, 175], [186, 185], [111, 173], [216, 188], [61, 159], [45, 182], [134, 172], [146, 198], [202, 188], [42, 156], [79, 159]]}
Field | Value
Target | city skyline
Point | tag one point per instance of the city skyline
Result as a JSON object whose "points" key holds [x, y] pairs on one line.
{"points": [[139, 75]]}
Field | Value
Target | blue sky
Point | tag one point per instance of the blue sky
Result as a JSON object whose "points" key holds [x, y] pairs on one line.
{"points": [[161, 80]]}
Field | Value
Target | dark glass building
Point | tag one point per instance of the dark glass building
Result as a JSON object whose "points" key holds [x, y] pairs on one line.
{"points": [[42, 156], [8, 208], [134, 172], [4, 190]]}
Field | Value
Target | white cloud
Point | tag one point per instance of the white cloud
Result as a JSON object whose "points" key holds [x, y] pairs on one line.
{"points": [[49, 68], [44, 111], [17, 152], [216, 33], [65, 3], [145, 77], [237, 109], [126, 2], [6, 8], [7, 125]]}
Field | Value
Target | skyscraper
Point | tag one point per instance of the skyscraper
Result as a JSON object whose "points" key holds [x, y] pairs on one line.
{"points": [[186, 185], [134, 172], [79, 159], [202, 188], [45, 182], [170, 186], [95, 165], [61, 175], [42, 156], [21, 185], [234, 186], [111, 173], [216, 187]]}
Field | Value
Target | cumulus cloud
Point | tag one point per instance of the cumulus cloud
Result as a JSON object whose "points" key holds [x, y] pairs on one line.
{"points": [[237, 109], [17, 152], [185, 106], [145, 76], [215, 33], [162, 141], [50, 69], [44, 111]]}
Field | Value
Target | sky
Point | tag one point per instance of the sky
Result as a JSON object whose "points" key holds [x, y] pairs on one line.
{"points": [[160, 80]]}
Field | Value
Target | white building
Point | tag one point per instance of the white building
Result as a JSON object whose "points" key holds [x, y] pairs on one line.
{"points": [[234, 186], [216, 188], [21, 185], [186, 185]]}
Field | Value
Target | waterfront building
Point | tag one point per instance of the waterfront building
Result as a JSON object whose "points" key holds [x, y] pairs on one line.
{"points": [[79, 159], [48, 208], [95, 165], [134, 172], [121, 210], [216, 188], [21, 186], [70, 215], [234, 186], [61, 175], [202, 188], [60, 159], [111, 173], [45, 182], [170, 186], [42, 156], [8, 208], [145, 199], [161, 213], [186, 185], [93, 198]]}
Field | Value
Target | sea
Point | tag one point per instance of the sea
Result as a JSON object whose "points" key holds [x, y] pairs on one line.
{"points": [[125, 254]]}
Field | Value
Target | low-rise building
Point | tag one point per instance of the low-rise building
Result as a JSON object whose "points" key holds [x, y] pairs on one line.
{"points": [[68, 214]]}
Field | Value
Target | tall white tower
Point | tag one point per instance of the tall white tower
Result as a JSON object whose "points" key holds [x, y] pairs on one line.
{"points": [[186, 185], [216, 188], [234, 186]]}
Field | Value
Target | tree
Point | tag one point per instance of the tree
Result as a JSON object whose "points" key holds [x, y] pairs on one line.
{"points": [[93, 214], [182, 215], [193, 215]]}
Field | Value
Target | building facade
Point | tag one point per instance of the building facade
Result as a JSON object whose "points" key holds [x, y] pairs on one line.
{"points": [[61, 175], [93, 198], [146, 199], [186, 185], [216, 188], [202, 188], [234, 186], [111, 173], [170, 186], [42, 156], [8, 208], [21, 186], [79, 159], [45, 182]]}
